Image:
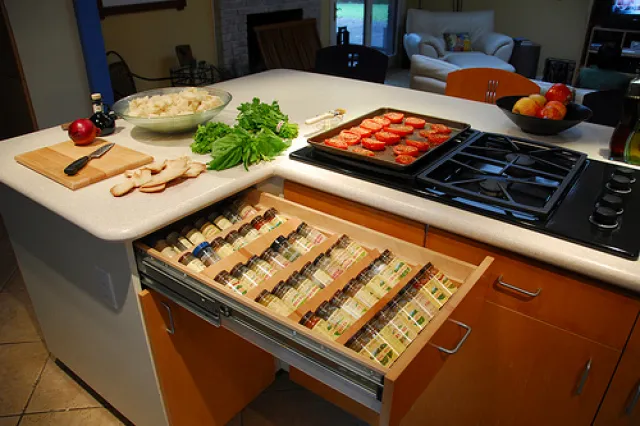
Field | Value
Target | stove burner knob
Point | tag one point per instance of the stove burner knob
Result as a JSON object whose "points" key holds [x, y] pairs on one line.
{"points": [[612, 201], [619, 184], [605, 217], [626, 172]]}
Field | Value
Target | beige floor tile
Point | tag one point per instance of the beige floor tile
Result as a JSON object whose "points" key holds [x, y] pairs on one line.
{"points": [[295, 408], [8, 263], [20, 367], [57, 391], [18, 321], [86, 417], [9, 421]]}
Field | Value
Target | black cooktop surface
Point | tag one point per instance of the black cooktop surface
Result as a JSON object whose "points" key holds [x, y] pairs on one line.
{"points": [[527, 183]]}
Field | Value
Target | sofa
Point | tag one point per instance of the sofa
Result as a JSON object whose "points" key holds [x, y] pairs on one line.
{"points": [[431, 62]]}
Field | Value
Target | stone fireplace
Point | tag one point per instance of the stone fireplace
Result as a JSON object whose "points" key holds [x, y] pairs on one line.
{"points": [[232, 30]]}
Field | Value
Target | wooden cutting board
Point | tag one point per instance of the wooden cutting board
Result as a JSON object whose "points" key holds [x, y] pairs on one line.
{"points": [[51, 161]]}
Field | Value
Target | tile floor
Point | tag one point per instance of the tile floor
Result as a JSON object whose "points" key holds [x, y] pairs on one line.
{"points": [[36, 391]]}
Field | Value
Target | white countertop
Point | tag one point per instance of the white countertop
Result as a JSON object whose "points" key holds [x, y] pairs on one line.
{"points": [[302, 95]]}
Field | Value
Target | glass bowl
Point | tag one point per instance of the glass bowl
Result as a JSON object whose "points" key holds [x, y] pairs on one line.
{"points": [[173, 124]]}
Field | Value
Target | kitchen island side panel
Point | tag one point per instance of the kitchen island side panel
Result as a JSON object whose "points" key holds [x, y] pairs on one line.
{"points": [[97, 333]]}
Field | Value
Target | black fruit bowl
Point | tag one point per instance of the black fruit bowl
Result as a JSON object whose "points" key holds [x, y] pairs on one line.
{"points": [[576, 114]]}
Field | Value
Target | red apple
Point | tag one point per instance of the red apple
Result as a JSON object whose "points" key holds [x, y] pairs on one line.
{"points": [[83, 131], [551, 111], [560, 107], [526, 106], [559, 92]]}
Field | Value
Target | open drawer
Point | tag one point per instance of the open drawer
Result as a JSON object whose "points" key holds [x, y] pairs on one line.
{"points": [[384, 392]]}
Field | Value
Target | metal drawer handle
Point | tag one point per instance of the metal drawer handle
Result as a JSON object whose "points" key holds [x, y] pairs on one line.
{"points": [[460, 343], [172, 328], [518, 289], [633, 402], [585, 376]]}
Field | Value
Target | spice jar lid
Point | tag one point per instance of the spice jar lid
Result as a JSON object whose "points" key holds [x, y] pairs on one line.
{"points": [[199, 248], [306, 318], [280, 286], [236, 269]]}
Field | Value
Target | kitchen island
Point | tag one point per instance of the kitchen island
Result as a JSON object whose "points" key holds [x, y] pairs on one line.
{"points": [[75, 248]]}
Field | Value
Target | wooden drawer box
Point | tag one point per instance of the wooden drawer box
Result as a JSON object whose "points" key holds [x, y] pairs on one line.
{"points": [[573, 303], [386, 392]]}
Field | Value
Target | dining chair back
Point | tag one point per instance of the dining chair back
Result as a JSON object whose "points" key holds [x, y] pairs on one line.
{"points": [[606, 105], [353, 61], [291, 44], [488, 84]]}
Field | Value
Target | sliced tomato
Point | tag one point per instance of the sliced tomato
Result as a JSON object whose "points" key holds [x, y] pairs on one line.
{"points": [[336, 143], [415, 122], [364, 152], [373, 144], [364, 133], [426, 133], [394, 117], [349, 137], [405, 159], [422, 146], [441, 128], [372, 125], [399, 129], [388, 137], [382, 120], [437, 138], [406, 150]]}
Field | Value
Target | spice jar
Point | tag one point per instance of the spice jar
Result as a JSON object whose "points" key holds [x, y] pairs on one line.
{"points": [[433, 289], [233, 283], [412, 309], [273, 303], [164, 248], [337, 319], [385, 331], [179, 242], [242, 209], [303, 285], [289, 295], [396, 269], [222, 247], [357, 290], [341, 256], [246, 276], [205, 253], [275, 259], [261, 268], [401, 327], [349, 305], [231, 215], [354, 250], [312, 235], [220, 221], [191, 262], [273, 218], [260, 225], [434, 273], [235, 240], [282, 246], [328, 265], [317, 324], [299, 242], [208, 229], [373, 282], [193, 235], [368, 343], [248, 233], [317, 275]]}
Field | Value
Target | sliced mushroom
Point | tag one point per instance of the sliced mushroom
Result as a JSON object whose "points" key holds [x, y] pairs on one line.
{"points": [[155, 167], [150, 189], [194, 170], [122, 188], [140, 177], [168, 174]]}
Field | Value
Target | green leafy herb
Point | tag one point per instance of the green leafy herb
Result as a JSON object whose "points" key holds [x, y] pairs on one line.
{"points": [[241, 146], [256, 115], [206, 134]]}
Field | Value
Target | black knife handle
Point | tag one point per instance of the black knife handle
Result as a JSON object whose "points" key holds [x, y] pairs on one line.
{"points": [[75, 167]]}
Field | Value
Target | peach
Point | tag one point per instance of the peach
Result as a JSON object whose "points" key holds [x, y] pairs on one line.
{"points": [[540, 100], [560, 107], [526, 106], [552, 112]]}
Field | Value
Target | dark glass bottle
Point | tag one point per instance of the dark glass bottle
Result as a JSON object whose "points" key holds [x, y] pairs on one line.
{"points": [[103, 121], [627, 122]]}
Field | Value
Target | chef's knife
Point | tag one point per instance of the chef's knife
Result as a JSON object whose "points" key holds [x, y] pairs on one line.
{"points": [[75, 167]]}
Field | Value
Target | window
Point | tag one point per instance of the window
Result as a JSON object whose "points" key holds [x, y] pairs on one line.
{"points": [[369, 22]]}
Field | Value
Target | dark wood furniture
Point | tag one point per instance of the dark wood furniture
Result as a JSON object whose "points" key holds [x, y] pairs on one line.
{"points": [[353, 61], [291, 45]]}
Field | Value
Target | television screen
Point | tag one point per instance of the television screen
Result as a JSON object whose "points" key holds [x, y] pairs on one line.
{"points": [[626, 7]]}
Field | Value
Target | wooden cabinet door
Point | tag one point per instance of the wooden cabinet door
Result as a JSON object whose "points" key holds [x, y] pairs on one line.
{"points": [[207, 374], [621, 406], [516, 370]]}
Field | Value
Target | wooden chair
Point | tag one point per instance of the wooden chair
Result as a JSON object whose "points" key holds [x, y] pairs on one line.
{"points": [[488, 84], [353, 61], [291, 44]]}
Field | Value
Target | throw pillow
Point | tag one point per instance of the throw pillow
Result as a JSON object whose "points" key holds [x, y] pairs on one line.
{"points": [[457, 42]]}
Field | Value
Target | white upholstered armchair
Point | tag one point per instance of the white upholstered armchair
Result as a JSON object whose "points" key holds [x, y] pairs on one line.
{"points": [[425, 33]]}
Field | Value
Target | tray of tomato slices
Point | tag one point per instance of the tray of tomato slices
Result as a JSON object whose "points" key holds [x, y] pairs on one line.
{"points": [[389, 137]]}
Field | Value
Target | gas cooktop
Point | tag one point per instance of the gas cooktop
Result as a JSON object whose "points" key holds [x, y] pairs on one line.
{"points": [[532, 184]]}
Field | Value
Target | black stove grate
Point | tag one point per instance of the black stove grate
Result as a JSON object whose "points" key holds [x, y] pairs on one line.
{"points": [[529, 177]]}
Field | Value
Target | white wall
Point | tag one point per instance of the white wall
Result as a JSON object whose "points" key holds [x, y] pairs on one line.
{"points": [[49, 47]]}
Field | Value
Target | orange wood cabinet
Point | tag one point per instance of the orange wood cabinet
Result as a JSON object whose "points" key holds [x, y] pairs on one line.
{"points": [[207, 374], [621, 406]]}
